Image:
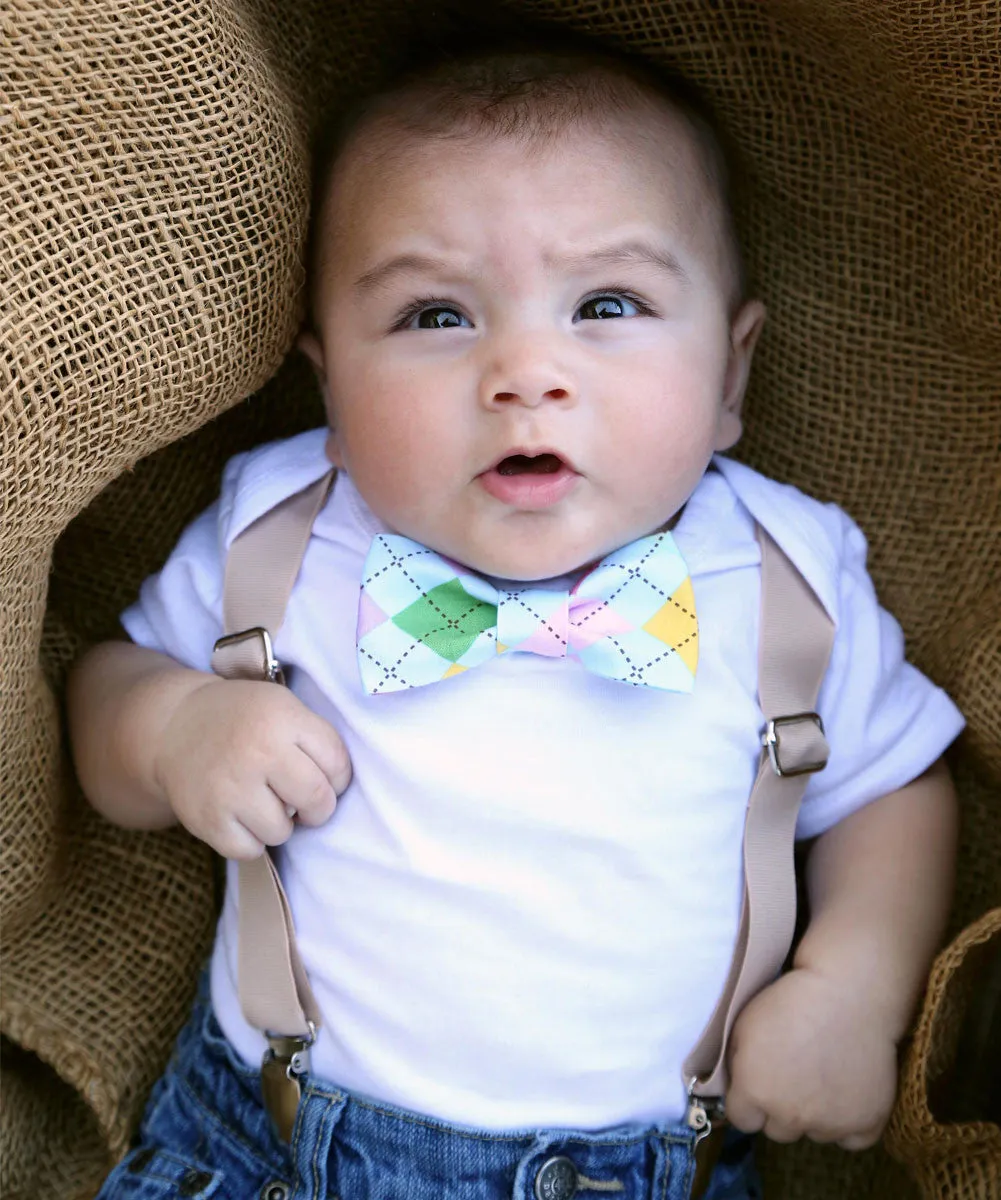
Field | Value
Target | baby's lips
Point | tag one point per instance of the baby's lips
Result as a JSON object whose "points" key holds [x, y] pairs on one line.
{"points": [[534, 452], [527, 489]]}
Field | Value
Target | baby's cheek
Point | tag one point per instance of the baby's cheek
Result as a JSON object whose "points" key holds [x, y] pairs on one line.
{"points": [[403, 480], [378, 437], [662, 433], [664, 469]]}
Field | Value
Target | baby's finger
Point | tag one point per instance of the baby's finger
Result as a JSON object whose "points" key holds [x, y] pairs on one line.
{"points": [[302, 787], [861, 1141], [238, 843], [322, 743], [822, 1134], [265, 817], [743, 1112], [782, 1131]]}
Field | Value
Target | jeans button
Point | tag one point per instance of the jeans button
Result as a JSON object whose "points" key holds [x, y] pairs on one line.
{"points": [[274, 1191], [193, 1181], [556, 1180]]}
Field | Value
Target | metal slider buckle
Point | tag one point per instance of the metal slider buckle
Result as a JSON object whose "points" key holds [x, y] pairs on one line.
{"points": [[273, 672], [771, 742], [285, 1060]]}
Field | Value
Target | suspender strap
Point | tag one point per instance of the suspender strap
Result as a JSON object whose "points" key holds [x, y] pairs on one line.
{"points": [[794, 646], [795, 641], [262, 566], [264, 561]]}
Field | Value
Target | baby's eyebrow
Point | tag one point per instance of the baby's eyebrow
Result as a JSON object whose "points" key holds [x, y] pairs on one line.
{"points": [[400, 264], [622, 253], [625, 253]]}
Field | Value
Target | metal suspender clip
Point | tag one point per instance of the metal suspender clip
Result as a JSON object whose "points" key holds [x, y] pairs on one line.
{"points": [[707, 1116], [285, 1061], [771, 741], [264, 662], [702, 1111]]}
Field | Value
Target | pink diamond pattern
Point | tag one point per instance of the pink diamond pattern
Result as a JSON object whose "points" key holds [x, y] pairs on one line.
{"points": [[592, 620], [370, 615], [545, 640]]}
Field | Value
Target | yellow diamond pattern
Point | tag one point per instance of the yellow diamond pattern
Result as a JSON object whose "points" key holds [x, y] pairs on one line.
{"points": [[675, 624]]}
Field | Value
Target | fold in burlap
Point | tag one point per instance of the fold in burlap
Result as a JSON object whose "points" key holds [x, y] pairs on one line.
{"points": [[949, 1158], [154, 190]]}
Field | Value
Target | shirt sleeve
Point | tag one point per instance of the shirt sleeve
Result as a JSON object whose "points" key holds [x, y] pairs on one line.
{"points": [[885, 722], [179, 610]]}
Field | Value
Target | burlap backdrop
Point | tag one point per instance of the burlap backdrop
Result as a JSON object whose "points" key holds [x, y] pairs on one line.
{"points": [[153, 200]]}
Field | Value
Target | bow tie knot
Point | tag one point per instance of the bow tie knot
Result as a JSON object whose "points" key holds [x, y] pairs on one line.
{"points": [[423, 618], [551, 622]]}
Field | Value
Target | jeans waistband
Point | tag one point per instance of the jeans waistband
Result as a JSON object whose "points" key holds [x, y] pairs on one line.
{"points": [[349, 1147]]}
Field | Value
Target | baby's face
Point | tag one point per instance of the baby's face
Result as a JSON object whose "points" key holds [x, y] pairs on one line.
{"points": [[527, 350]]}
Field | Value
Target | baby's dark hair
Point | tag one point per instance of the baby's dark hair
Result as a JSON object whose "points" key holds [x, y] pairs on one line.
{"points": [[502, 75]]}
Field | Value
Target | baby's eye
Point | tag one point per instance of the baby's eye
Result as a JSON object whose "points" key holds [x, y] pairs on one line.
{"points": [[600, 308], [438, 316]]}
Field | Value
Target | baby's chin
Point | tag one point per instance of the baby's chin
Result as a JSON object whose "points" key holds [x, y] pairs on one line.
{"points": [[529, 550], [527, 564]]}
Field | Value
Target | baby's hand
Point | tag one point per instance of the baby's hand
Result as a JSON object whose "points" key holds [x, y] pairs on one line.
{"points": [[237, 760], [809, 1057]]}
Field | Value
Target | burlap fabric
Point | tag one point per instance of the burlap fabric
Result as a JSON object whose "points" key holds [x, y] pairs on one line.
{"points": [[153, 196], [950, 1158]]}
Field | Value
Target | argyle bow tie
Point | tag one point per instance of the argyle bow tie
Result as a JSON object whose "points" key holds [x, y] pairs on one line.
{"points": [[422, 617]]}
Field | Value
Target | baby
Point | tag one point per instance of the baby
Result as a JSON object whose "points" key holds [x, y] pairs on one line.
{"points": [[531, 331]]}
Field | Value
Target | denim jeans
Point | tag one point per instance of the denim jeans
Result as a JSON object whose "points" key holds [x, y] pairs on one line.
{"points": [[205, 1134]]}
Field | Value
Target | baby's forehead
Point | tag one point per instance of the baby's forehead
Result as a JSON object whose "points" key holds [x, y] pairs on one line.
{"points": [[642, 132], [384, 151]]}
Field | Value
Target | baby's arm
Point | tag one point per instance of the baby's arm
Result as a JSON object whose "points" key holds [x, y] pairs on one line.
{"points": [[815, 1054], [156, 743]]}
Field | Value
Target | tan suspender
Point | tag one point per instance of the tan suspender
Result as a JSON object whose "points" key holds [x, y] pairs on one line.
{"points": [[795, 637], [274, 990], [795, 640]]}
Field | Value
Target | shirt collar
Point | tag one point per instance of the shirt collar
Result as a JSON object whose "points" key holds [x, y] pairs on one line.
{"points": [[795, 522], [257, 481]]}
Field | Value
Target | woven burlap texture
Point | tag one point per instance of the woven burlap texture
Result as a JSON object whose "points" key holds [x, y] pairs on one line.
{"points": [[949, 1159], [154, 194]]}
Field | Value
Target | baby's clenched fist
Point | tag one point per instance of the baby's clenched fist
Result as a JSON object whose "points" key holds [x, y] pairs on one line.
{"points": [[810, 1058], [237, 760]]}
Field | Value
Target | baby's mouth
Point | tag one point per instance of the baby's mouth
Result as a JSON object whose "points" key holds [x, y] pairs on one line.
{"points": [[530, 481], [529, 464]]}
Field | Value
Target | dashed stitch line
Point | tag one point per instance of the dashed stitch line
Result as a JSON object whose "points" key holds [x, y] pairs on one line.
{"points": [[390, 672], [638, 671], [634, 572], [518, 599], [398, 561], [451, 621]]}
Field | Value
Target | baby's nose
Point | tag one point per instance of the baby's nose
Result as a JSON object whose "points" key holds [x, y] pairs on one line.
{"points": [[530, 398], [529, 373]]}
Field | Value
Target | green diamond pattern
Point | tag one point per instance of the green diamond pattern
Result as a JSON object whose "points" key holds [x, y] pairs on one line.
{"points": [[447, 620]]}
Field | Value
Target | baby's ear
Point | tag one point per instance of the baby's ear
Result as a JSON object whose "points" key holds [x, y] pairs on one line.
{"points": [[745, 329], [312, 347], [309, 344]]}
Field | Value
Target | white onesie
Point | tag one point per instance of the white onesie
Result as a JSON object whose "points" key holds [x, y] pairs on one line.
{"points": [[524, 908]]}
